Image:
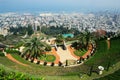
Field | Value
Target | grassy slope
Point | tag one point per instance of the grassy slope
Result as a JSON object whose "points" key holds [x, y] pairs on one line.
{"points": [[113, 76], [103, 55], [38, 69], [10, 74]]}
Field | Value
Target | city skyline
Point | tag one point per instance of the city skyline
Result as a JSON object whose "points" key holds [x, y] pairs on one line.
{"points": [[57, 5]]}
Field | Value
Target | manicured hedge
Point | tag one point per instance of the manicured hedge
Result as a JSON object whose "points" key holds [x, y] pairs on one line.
{"points": [[1, 54], [11, 51]]}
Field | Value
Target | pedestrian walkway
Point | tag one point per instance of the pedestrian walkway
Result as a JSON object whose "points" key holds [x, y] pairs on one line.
{"points": [[72, 52], [14, 60], [65, 55], [88, 52]]}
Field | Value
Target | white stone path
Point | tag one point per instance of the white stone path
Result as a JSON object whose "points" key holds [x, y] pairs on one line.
{"points": [[65, 55]]}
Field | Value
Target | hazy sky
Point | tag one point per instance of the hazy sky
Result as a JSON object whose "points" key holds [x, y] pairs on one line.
{"points": [[57, 5]]}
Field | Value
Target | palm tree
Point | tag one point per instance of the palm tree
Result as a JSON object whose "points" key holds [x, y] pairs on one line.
{"points": [[34, 48], [85, 38], [60, 38]]}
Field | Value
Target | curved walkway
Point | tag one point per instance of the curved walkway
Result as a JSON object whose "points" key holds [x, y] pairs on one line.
{"points": [[84, 56], [14, 60], [88, 52], [72, 52]]}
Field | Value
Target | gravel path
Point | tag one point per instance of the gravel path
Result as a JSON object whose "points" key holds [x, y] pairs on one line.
{"points": [[14, 60]]}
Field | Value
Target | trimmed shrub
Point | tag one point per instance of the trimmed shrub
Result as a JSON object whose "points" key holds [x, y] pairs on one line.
{"points": [[52, 64], [88, 56], [59, 64], [32, 60], [45, 63], [2, 54], [12, 51], [38, 62]]}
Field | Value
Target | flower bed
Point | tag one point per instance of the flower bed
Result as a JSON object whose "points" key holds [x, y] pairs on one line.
{"points": [[48, 58]]}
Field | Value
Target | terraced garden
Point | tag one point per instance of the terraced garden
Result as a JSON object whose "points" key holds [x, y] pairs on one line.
{"points": [[103, 56]]}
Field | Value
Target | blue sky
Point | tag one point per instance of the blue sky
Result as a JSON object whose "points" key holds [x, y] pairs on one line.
{"points": [[57, 5]]}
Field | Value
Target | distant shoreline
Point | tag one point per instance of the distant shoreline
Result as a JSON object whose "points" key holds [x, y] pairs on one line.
{"points": [[57, 11]]}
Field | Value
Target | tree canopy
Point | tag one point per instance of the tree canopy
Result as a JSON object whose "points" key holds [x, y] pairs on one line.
{"points": [[35, 48]]}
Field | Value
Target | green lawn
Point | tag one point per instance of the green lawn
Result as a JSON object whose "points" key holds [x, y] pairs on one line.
{"points": [[9, 74], [105, 57], [48, 58], [80, 52], [36, 69], [113, 76]]}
